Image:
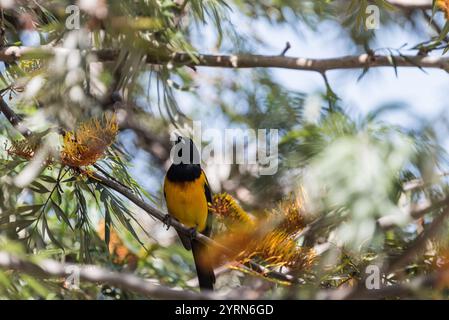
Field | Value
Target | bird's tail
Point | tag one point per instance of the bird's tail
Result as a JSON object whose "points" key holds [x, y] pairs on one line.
{"points": [[203, 264]]}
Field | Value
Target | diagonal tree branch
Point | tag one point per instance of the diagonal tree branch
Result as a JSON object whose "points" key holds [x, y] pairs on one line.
{"points": [[388, 222], [13, 118]]}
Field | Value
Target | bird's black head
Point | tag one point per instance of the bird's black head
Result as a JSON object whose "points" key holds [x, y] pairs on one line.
{"points": [[186, 161]]}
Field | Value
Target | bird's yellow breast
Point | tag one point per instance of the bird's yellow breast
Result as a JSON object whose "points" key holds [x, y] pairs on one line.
{"points": [[186, 201]]}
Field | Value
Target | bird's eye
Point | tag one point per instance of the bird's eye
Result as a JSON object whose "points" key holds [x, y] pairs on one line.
{"points": [[179, 139]]}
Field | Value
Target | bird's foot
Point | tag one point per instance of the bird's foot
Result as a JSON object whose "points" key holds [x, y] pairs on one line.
{"points": [[192, 233], [167, 221]]}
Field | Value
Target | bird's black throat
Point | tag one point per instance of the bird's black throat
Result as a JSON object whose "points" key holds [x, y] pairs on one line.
{"points": [[184, 172]]}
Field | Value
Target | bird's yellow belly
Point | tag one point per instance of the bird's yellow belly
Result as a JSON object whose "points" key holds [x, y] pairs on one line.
{"points": [[187, 203]]}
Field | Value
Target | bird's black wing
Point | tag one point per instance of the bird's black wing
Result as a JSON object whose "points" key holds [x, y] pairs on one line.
{"points": [[208, 194], [207, 189]]}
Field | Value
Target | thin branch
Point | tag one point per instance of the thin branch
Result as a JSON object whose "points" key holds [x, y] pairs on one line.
{"points": [[250, 61], [287, 47], [13, 118], [408, 5], [91, 273], [388, 222]]}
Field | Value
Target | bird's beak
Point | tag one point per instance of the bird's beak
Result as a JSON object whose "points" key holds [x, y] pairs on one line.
{"points": [[178, 138]]}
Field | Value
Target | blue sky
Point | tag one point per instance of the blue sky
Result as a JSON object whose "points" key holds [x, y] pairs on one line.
{"points": [[423, 93]]}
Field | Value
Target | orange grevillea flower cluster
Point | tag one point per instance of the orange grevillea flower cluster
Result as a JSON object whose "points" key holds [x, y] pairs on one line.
{"points": [[81, 147], [226, 208], [291, 213], [87, 144], [270, 240], [279, 249], [443, 5], [25, 148]]}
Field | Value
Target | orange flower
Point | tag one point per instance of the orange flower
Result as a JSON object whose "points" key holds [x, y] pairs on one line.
{"points": [[279, 249], [291, 212], [81, 147], [227, 209], [25, 148], [87, 144], [270, 240]]}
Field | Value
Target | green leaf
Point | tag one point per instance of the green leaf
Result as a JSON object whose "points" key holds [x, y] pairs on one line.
{"points": [[444, 31], [364, 72], [29, 208], [393, 62], [46, 229], [71, 179], [107, 226], [119, 213], [17, 226], [60, 214], [412, 62], [56, 196], [47, 178], [38, 187]]}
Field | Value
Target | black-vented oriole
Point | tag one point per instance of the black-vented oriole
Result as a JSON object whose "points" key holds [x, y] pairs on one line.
{"points": [[187, 194]]}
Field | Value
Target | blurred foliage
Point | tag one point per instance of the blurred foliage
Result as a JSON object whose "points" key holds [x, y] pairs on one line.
{"points": [[337, 175]]}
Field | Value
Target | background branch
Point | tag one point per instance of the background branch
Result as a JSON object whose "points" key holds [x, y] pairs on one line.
{"points": [[405, 289], [11, 54], [94, 274]]}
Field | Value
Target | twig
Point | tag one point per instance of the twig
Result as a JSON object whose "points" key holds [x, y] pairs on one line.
{"points": [[287, 47], [388, 222], [91, 273], [296, 63]]}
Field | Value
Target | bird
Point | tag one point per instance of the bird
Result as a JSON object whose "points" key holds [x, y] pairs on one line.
{"points": [[187, 194]]}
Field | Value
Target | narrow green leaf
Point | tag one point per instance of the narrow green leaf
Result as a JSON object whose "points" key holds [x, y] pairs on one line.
{"points": [[60, 214], [38, 187]]}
